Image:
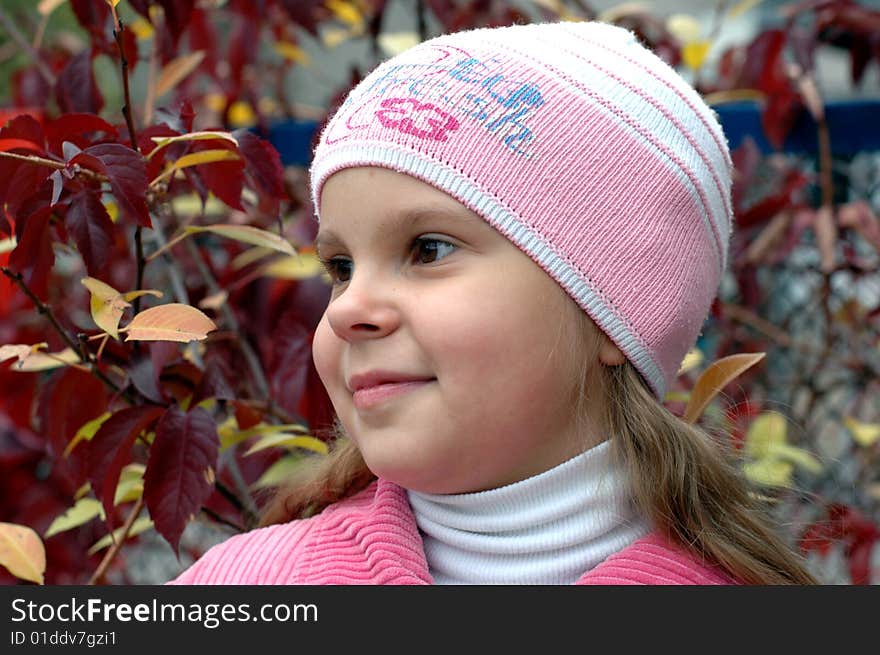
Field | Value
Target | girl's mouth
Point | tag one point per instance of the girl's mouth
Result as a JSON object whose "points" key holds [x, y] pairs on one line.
{"points": [[372, 396]]}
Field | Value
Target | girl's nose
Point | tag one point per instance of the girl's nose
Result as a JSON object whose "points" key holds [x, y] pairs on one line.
{"points": [[364, 310]]}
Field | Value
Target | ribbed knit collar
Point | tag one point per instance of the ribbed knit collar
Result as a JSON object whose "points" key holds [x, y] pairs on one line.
{"points": [[547, 529]]}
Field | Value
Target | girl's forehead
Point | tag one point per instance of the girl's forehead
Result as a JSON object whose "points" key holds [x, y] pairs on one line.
{"points": [[388, 199]]}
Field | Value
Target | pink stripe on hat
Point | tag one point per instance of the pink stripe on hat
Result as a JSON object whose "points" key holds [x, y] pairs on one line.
{"points": [[578, 144]]}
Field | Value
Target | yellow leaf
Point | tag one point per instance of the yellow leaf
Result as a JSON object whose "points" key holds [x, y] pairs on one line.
{"points": [[280, 471], [83, 511], [107, 305], [346, 12], [241, 114], [249, 256], [231, 435], [142, 524], [715, 378], [141, 28], [298, 267], [112, 3], [290, 441], [393, 43], [204, 135], [248, 234], [677, 397], [197, 159], [691, 361], [742, 7], [22, 552], [86, 432], [131, 484], [769, 472], [177, 70], [684, 27], [292, 52], [694, 54], [8, 245], [865, 434], [623, 10], [20, 350], [46, 7], [131, 295], [47, 361], [192, 205], [797, 456], [766, 431], [171, 322], [332, 37], [214, 301]]}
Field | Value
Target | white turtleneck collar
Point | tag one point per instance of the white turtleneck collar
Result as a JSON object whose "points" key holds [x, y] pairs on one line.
{"points": [[547, 529]]}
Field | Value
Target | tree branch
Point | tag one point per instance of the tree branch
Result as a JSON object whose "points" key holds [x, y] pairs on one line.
{"points": [[117, 544]]}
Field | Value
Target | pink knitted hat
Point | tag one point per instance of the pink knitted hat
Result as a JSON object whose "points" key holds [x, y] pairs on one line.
{"points": [[578, 144]]}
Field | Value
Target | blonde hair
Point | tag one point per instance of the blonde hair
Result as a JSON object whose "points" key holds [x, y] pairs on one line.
{"points": [[684, 479]]}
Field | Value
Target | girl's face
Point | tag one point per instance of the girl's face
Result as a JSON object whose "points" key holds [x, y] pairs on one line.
{"points": [[446, 351]]}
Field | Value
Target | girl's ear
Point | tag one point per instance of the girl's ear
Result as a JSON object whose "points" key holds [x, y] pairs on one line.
{"points": [[610, 354]]}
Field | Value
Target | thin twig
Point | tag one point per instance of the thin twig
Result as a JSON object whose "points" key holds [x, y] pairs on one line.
{"points": [[118, 31], [33, 159], [141, 264], [15, 33], [117, 544], [46, 311], [232, 323]]}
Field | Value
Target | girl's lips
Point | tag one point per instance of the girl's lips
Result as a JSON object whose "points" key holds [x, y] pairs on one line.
{"points": [[368, 397]]}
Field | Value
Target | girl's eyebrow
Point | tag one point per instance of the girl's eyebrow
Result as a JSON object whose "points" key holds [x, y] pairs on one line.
{"points": [[413, 215]]}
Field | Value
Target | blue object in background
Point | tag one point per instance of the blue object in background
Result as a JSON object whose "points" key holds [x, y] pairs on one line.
{"points": [[293, 140], [853, 126]]}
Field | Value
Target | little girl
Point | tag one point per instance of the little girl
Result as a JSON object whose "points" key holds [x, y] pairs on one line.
{"points": [[525, 228]]}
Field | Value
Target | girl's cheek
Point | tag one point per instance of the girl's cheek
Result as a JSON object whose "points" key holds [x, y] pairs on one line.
{"points": [[325, 353]]}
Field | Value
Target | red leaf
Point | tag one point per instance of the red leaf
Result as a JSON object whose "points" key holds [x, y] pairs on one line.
{"points": [[76, 89], [241, 50], [92, 230], [177, 16], [263, 163], [766, 208], [26, 128], [92, 16], [127, 173], [180, 471], [224, 179], [783, 108], [860, 562], [245, 415], [18, 182], [155, 164], [30, 88], [71, 399], [289, 364], [305, 13], [110, 449], [202, 36], [79, 129], [33, 257]]}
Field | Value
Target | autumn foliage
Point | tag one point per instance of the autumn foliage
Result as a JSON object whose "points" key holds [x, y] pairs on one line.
{"points": [[159, 290]]}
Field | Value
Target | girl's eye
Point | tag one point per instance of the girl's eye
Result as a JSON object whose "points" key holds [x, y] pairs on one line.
{"points": [[428, 249], [338, 268]]}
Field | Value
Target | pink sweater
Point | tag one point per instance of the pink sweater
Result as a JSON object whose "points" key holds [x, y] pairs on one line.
{"points": [[372, 538]]}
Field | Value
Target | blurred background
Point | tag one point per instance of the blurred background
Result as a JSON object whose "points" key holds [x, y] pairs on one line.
{"points": [[796, 86]]}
